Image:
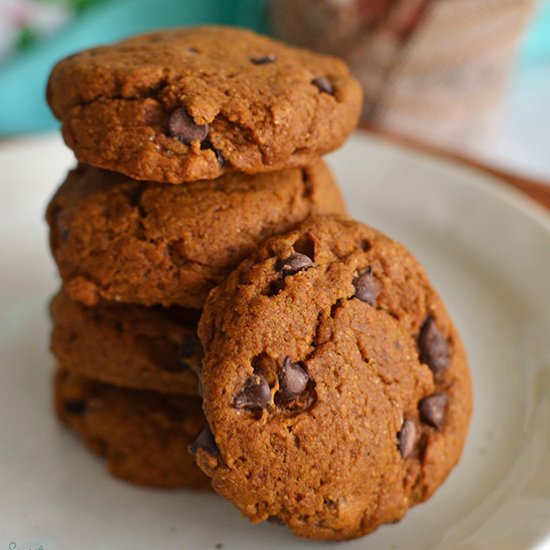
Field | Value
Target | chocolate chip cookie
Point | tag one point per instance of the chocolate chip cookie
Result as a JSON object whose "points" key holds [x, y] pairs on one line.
{"points": [[118, 239], [143, 435], [150, 348], [335, 385], [189, 104]]}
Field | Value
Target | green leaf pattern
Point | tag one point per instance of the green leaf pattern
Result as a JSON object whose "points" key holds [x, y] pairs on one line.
{"points": [[23, 23]]}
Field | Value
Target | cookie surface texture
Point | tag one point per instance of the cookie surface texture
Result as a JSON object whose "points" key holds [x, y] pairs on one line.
{"points": [[335, 385]]}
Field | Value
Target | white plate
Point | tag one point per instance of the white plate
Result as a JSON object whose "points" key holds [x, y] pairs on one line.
{"points": [[486, 249]]}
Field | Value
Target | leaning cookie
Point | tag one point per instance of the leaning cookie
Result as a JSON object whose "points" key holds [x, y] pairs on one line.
{"points": [[188, 104], [149, 348], [118, 239], [335, 385], [144, 436]]}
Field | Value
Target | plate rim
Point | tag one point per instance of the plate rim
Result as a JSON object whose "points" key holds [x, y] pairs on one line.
{"points": [[490, 183]]}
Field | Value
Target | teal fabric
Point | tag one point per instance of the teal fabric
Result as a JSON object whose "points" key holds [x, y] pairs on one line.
{"points": [[23, 78], [536, 46]]}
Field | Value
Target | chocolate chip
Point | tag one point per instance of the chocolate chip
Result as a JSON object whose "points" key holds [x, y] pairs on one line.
{"points": [[205, 440], [324, 85], [365, 245], [432, 409], [183, 127], [255, 396], [293, 380], [406, 438], [434, 348], [364, 288], [189, 346], [219, 157], [75, 406], [264, 60], [294, 263], [64, 233], [207, 144], [276, 520], [60, 226]]}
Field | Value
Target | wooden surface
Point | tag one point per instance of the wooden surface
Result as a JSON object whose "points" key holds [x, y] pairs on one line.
{"points": [[539, 191]]}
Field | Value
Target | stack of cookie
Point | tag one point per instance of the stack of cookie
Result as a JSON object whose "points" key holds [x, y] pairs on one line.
{"points": [[216, 298], [212, 140]]}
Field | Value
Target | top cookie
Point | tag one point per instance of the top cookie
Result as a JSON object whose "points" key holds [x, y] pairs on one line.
{"points": [[334, 383], [190, 104]]}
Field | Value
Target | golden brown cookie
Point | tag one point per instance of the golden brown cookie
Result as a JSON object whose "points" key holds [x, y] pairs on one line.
{"points": [[149, 348], [188, 104], [118, 239], [335, 385], [144, 436]]}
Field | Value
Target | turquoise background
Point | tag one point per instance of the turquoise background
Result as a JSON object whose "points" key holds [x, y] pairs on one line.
{"points": [[23, 78]]}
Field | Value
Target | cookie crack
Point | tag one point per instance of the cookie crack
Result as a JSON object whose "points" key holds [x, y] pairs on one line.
{"points": [[151, 92], [178, 260], [134, 196], [307, 189], [367, 360], [245, 132]]}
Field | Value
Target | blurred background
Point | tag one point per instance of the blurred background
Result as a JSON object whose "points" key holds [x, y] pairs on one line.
{"points": [[469, 76]]}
